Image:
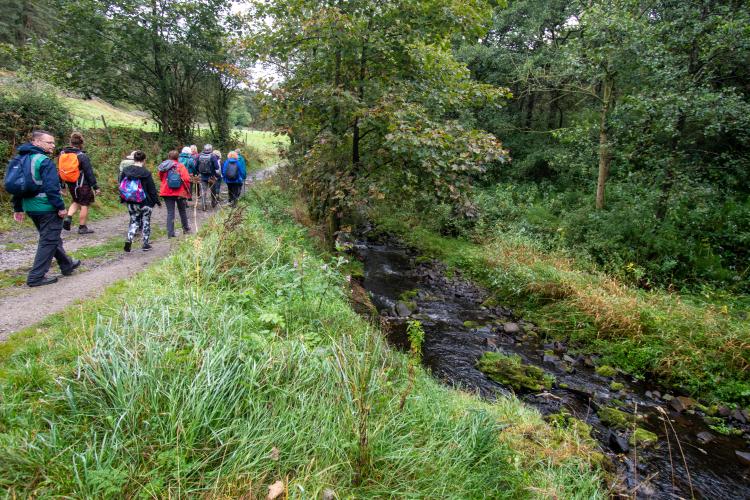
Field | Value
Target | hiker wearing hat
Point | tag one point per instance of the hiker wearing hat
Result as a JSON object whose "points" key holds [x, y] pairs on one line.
{"points": [[209, 171], [127, 162]]}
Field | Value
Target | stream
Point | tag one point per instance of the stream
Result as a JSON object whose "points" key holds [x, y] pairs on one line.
{"points": [[459, 329]]}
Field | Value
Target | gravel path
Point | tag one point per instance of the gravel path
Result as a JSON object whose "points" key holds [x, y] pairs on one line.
{"points": [[24, 306]]}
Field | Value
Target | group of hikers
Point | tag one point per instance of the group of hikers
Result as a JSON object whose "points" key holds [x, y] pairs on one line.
{"points": [[36, 183]]}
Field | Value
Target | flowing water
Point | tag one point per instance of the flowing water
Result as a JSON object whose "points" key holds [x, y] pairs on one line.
{"points": [[458, 329]]}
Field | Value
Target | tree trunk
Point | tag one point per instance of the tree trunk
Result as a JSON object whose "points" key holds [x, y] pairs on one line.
{"points": [[605, 155]]}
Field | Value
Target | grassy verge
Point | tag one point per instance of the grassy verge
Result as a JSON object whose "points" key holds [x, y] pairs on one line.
{"points": [[238, 362], [682, 342]]}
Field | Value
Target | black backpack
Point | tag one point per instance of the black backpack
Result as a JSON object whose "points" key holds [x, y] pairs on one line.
{"points": [[232, 171], [205, 164]]}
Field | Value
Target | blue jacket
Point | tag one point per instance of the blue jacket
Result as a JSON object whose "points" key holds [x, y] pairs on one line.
{"points": [[241, 172], [187, 160], [243, 163], [49, 198]]}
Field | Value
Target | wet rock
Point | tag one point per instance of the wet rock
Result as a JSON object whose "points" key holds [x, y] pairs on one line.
{"points": [[569, 359], [491, 343], [601, 395], [615, 419], [681, 403], [739, 416], [511, 328], [656, 394], [402, 309], [723, 411], [510, 371], [550, 359], [743, 457], [559, 347], [588, 361], [704, 437], [643, 438], [649, 395], [668, 397], [606, 371], [618, 443]]}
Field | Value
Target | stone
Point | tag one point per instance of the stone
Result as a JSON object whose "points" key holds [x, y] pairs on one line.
{"points": [[682, 403], [510, 371], [587, 361], [723, 411], [642, 437], [739, 416], [402, 309], [649, 395], [559, 347], [605, 371], [328, 494], [704, 437], [668, 397], [601, 395], [569, 359], [550, 359], [490, 342], [618, 443], [656, 394], [511, 328], [743, 456]]}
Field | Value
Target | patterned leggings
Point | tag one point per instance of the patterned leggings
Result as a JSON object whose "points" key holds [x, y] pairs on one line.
{"points": [[139, 215]]}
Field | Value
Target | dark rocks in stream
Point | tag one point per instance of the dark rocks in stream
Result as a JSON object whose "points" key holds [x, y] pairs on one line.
{"points": [[402, 309], [704, 437], [743, 457], [740, 416], [617, 443], [511, 328], [682, 403]]}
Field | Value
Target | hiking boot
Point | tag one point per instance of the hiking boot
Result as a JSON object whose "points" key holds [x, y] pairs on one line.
{"points": [[84, 230], [66, 222], [127, 246], [186, 231], [42, 282], [73, 266], [146, 247]]}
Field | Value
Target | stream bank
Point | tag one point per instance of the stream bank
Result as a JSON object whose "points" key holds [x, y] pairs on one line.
{"points": [[673, 454]]}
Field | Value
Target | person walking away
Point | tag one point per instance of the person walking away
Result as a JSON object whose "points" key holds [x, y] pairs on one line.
{"points": [[32, 180], [208, 166], [75, 170], [138, 191], [233, 172], [216, 188], [241, 158], [175, 190], [186, 158], [128, 161]]}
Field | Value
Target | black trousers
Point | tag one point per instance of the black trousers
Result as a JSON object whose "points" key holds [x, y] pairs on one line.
{"points": [[181, 203], [50, 246], [235, 190]]}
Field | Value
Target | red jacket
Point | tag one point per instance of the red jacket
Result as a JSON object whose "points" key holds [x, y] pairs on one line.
{"points": [[183, 191]]}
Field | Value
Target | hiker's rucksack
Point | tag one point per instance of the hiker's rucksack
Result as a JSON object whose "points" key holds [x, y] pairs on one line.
{"points": [[69, 167], [22, 177], [189, 163], [232, 171], [174, 181], [205, 164], [131, 190]]}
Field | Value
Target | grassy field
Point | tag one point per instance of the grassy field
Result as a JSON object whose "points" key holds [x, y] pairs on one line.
{"points": [[87, 113], [683, 342], [237, 364]]}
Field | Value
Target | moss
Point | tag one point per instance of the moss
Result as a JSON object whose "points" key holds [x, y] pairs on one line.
{"points": [[491, 302], [510, 371], [471, 324], [355, 269], [642, 437], [408, 296], [423, 259], [615, 418], [606, 371], [565, 420], [616, 386]]}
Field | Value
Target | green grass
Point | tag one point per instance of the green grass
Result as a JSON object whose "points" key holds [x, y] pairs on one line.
{"points": [[238, 362], [681, 342]]}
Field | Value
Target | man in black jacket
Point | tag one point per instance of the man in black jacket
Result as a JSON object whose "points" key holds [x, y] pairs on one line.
{"points": [[140, 211], [83, 191], [46, 208]]}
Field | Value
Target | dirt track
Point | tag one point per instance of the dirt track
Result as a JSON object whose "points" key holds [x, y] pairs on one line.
{"points": [[23, 306]]}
